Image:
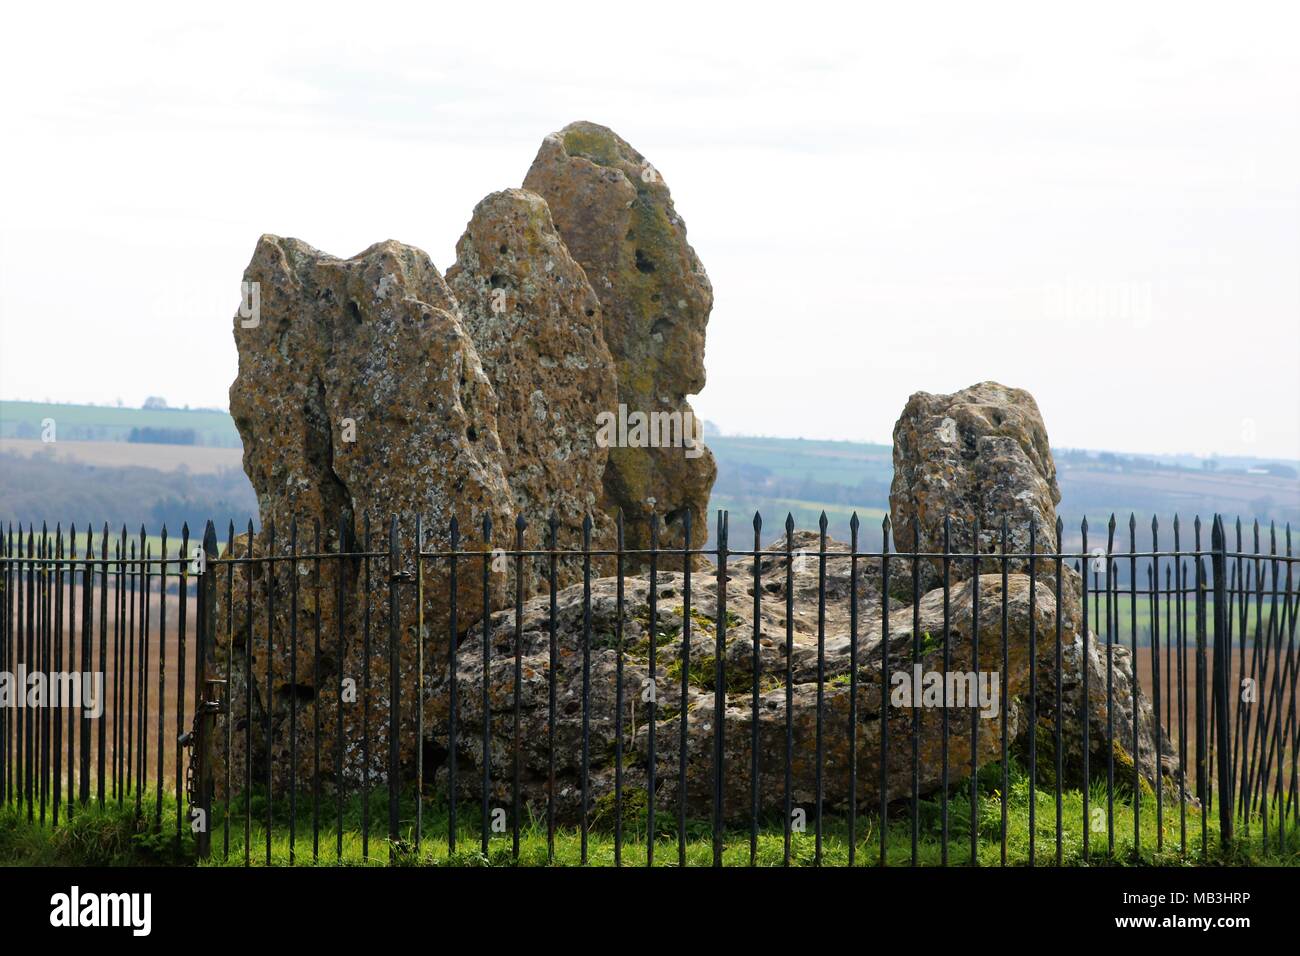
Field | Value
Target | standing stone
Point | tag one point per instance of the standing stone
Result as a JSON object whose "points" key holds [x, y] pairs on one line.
{"points": [[538, 330], [984, 452], [359, 395], [979, 453], [615, 214]]}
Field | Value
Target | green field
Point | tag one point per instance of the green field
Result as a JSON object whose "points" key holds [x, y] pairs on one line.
{"points": [[774, 476], [107, 423]]}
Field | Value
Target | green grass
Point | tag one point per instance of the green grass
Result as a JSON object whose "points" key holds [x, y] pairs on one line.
{"points": [[116, 837], [108, 836]]}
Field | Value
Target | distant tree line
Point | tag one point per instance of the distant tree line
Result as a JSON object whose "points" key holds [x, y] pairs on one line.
{"points": [[163, 436]]}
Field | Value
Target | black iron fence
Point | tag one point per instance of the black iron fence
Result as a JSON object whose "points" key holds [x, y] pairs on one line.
{"points": [[741, 702]]}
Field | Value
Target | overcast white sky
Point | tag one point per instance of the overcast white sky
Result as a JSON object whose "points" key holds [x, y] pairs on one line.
{"points": [[1100, 205]]}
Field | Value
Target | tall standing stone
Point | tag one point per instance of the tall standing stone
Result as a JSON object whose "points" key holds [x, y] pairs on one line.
{"points": [[359, 394], [538, 330], [614, 212]]}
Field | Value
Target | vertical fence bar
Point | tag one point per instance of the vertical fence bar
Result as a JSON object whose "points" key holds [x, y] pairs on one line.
{"points": [[119, 688], [47, 650], [1274, 710], [652, 719], [754, 767], [1259, 672], [394, 682], [974, 713], [453, 689], [26, 594], [318, 695], [1237, 600], [146, 601], [1133, 660], [5, 610], [230, 697], [789, 686], [1202, 731], [586, 680], [683, 717], [1085, 715], [293, 683], [1003, 697], [915, 808], [162, 672], [1222, 662], [1110, 686], [486, 702], [248, 693], [945, 769], [102, 656], [853, 684], [22, 742], [49, 666], [720, 702], [516, 771], [1153, 600], [87, 633], [618, 697], [1181, 661], [1059, 572], [57, 657], [340, 652], [183, 596], [419, 687], [1290, 614], [43, 666], [204, 649], [884, 689], [270, 689], [553, 662], [1033, 687], [13, 600], [365, 689], [821, 682]]}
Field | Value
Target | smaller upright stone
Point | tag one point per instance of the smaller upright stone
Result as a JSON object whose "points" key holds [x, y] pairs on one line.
{"points": [[981, 452]]}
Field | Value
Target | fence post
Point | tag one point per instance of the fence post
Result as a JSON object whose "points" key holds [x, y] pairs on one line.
{"points": [[206, 633], [1222, 662]]}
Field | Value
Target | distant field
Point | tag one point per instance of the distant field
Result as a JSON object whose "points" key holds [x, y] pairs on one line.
{"points": [[838, 462], [197, 459], [771, 475], [106, 423]]}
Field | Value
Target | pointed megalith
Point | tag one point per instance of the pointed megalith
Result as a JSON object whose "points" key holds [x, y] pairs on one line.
{"points": [[536, 324], [614, 212]]}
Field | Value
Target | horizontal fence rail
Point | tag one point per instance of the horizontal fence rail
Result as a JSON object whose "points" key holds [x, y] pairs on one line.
{"points": [[410, 693]]}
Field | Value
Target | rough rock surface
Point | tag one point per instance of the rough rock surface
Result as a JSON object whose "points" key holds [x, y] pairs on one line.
{"points": [[1122, 709], [537, 326], [978, 454], [359, 394], [984, 452], [740, 656], [616, 216]]}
